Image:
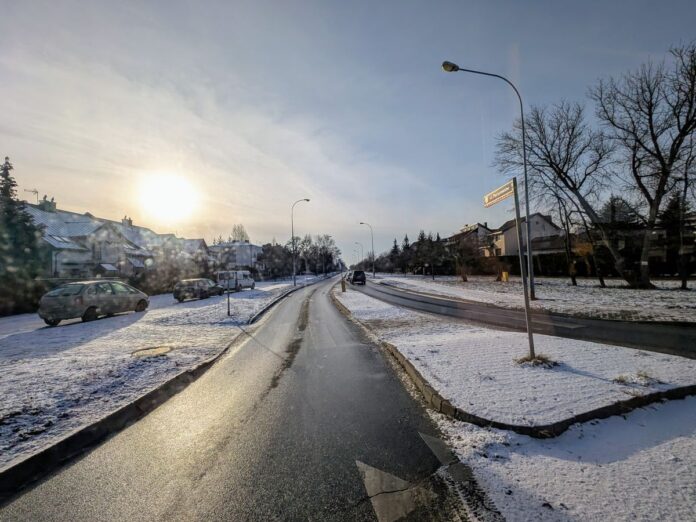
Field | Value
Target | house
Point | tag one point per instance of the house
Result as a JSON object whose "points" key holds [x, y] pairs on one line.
{"points": [[84, 246], [502, 242], [235, 254], [475, 235]]}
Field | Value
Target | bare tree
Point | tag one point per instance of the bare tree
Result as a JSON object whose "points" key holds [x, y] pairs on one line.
{"points": [[239, 233], [568, 162], [650, 114]]}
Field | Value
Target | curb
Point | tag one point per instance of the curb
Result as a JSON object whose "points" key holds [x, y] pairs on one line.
{"points": [[16, 475], [438, 403]]}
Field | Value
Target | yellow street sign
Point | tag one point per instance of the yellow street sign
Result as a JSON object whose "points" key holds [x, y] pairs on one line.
{"points": [[498, 194]]}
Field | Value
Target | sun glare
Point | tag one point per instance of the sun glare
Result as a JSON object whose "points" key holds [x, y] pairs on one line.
{"points": [[168, 198]]}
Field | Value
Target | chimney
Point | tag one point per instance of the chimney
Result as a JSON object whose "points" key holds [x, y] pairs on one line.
{"points": [[46, 205]]}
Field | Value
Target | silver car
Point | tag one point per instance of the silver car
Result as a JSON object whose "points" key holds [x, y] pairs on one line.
{"points": [[89, 300]]}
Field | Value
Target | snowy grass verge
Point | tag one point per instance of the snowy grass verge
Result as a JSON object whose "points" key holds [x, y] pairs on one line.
{"points": [[475, 368], [617, 301], [55, 380], [641, 466]]}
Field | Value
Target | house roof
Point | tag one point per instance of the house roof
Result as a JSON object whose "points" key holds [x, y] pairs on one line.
{"points": [[511, 222], [63, 229], [192, 246]]}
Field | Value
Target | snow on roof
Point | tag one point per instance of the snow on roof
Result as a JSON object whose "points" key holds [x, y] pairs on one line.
{"points": [[137, 263], [511, 222], [63, 223]]}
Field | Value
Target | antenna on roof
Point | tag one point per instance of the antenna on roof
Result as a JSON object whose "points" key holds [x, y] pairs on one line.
{"points": [[35, 192]]}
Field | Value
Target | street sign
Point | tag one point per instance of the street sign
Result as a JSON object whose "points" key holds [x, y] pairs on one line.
{"points": [[498, 194], [490, 199]]}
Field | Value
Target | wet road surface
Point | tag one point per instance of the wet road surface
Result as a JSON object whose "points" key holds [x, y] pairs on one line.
{"points": [[304, 420]]}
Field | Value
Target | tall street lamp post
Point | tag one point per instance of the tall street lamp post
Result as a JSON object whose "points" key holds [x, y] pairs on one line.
{"points": [[292, 231], [453, 67], [372, 237], [362, 251]]}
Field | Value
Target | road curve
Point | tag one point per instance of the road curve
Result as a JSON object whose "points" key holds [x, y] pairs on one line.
{"points": [[298, 423], [659, 337]]}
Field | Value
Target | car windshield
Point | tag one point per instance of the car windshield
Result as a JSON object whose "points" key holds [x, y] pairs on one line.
{"points": [[65, 290], [348, 260]]}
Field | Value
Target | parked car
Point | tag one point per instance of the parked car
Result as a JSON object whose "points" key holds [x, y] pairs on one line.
{"points": [[357, 277], [196, 289], [235, 280], [89, 300]]}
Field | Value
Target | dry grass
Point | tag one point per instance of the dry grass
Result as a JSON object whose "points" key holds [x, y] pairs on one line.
{"points": [[641, 378], [540, 360]]}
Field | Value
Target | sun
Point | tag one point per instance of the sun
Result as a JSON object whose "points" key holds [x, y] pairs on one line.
{"points": [[167, 197]]}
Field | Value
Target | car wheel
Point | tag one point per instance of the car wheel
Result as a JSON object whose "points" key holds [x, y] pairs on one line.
{"points": [[89, 315], [52, 322], [141, 306], [180, 299]]}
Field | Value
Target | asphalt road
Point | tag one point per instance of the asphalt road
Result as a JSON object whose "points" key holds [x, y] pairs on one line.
{"points": [[665, 338], [306, 420]]}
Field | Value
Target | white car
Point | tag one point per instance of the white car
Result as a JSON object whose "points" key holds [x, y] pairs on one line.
{"points": [[236, 280]]}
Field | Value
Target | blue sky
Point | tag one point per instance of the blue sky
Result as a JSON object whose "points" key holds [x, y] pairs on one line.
{"points": [[261, 103]]}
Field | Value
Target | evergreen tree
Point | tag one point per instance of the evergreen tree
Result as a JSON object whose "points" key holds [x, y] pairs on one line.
{"points": [[21, 255]]}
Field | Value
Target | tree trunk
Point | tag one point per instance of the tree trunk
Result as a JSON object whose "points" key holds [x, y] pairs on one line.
{"points": [[684, 271]]}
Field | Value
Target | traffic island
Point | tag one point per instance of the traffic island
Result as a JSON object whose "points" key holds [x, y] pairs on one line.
{"points": [[478, 375]]}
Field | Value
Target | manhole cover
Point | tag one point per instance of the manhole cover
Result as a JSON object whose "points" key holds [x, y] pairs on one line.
{"points": [[152, 352]]}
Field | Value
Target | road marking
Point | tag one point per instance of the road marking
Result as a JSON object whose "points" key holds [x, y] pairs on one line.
{"points": [[392, 497], [439, 449]]}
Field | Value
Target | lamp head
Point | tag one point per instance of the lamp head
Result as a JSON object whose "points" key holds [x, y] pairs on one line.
{"points": [[449, 66]]}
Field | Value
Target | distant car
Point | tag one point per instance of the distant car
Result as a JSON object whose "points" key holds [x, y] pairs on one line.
{"points": [[357, 277], [196, 289], [89, 300], [236, 280]]}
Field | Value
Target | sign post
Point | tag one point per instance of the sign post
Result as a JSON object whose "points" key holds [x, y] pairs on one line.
{"points": [[490, 199]]}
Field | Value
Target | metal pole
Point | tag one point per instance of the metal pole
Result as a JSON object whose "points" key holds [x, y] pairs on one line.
{"points": [[228, 293], [530, 264], [372, 238], [362, 251], [292, 238], [294, 243], [527, 312]]}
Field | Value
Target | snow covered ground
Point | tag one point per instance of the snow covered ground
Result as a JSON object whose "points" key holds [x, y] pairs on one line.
{"points": [[666, 303], [475, 368], [641, 466], [55, 380]]}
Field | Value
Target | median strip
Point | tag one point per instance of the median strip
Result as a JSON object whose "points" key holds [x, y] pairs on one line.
{"points": [[470, 372]]}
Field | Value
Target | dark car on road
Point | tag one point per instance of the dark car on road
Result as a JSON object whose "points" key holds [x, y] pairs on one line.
{"points": [[89, 300], [357, 277], [196, 289]]}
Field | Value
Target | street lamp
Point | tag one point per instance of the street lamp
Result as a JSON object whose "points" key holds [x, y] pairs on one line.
{"points": [[292, 231], [453, 67], [372, 237], [362, 252]]}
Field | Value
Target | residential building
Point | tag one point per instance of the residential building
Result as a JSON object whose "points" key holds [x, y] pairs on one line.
{"points": [[230, 255], [544, 232], [84, 246]]}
